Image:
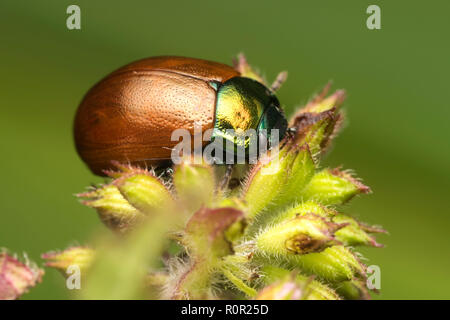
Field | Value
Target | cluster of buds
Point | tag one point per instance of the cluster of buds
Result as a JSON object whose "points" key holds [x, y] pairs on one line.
{"points": [[276, 234]]}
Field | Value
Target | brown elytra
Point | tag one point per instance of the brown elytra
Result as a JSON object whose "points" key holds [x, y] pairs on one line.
{"points": [[129, 116]]}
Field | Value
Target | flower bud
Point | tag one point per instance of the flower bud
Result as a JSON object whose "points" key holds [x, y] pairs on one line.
{"points": [[61, 260], [316, 129], [304, 208], [287, 289], [334, 264], [297, 236], [311, 289], [114, 211], [300, 172], [354, 234], [332, 187], [144, 191], [205, 240], [194, 184], [242, 66], [279, 183], [321, 102], [205, 233], [318, 122], [353, 290], [264, 181], [16, 278]]}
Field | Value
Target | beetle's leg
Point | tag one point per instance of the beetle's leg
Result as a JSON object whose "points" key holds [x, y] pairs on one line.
{"points": [[226, 177], [290, 133], [280, 79], [291, 130]]}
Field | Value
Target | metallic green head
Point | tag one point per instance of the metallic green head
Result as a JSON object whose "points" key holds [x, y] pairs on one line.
{"points": [[243, 104]]}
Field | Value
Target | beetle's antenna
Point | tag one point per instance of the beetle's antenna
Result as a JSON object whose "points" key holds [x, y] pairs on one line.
{"points": [[280, 79]]}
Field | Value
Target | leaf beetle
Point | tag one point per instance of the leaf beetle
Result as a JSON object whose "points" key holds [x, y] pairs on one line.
{"points": [[130, 114]]}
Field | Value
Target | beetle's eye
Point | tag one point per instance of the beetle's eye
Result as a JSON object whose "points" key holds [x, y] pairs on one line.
{"points": [[273, 119]]}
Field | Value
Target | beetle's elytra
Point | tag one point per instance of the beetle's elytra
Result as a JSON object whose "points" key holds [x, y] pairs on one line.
{"points": [[129, 116]]}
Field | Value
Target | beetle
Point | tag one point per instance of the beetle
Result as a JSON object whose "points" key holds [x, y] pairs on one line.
{"points": [[130, 114]]}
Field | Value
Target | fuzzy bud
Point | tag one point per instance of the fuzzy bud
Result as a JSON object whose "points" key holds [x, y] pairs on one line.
{"points": [[310, 288], [354, 233], [287, 289], [321, 102], [334, 264], [279, 182], [194, 184], [144, 191], [332, 187], [82, 257], [297, 236], [114, 211], [16, 278]]}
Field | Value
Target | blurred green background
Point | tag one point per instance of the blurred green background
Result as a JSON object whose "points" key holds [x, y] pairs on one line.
{"points": [[397, 137]]}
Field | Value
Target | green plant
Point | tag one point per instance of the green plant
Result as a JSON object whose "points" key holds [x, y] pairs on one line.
{"points": [[274, 232]]}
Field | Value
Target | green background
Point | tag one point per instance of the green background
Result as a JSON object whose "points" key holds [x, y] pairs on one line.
{"points": [[397, 137]]}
